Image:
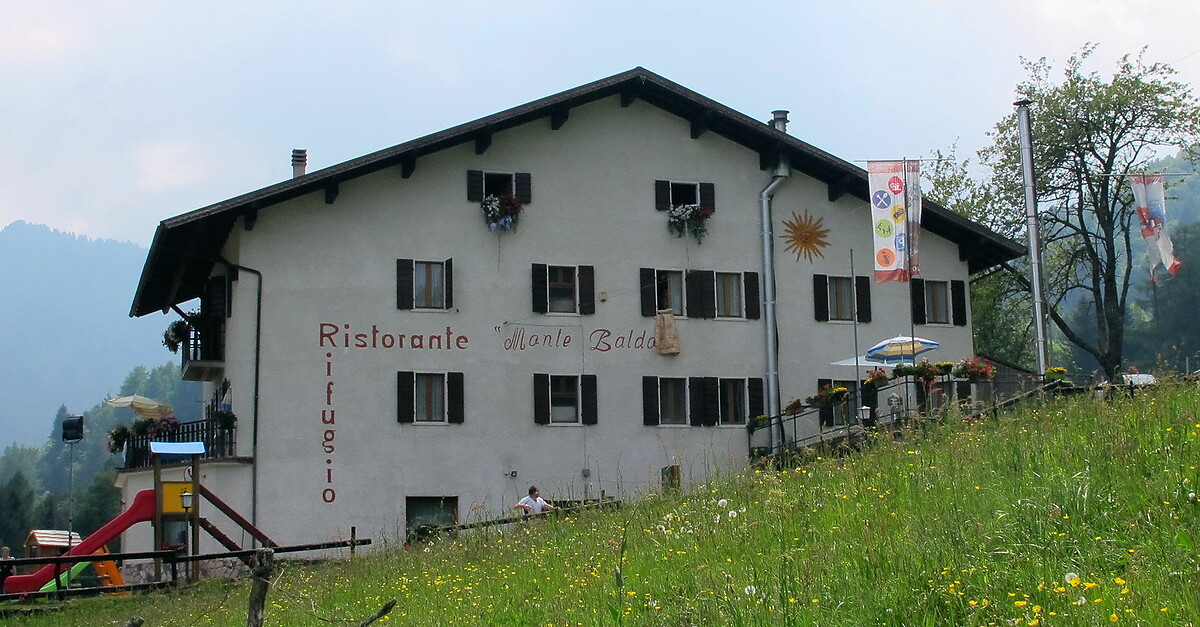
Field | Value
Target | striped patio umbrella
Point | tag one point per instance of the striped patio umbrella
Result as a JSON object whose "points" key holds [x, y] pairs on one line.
{"points": [[902, 348], [146, 407]]}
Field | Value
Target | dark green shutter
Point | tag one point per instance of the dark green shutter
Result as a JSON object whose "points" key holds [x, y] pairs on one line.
{"points": [[958, 302], [918, 301], [586, 276], [541, 399], [712, 401], [404, 284], [524, 187], [756, 405], [648, 285], [541, 295], [662, 196], [650, 401], [405, 390], [696, 401], [750, 287], [475, 185], [701, 294], [708, 196], [862, 298], [448, 270], [455, 404], [821, 298], [587, 388]]}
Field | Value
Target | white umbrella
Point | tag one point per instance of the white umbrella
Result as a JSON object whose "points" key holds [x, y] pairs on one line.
{"points": [[146, 407], [865, 360]]}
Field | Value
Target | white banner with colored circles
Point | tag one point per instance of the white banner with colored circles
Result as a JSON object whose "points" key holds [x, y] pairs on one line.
{"points": [[895, 193]]}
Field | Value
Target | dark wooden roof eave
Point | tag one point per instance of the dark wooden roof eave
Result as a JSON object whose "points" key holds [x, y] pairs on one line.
{"points": [[182, 239]]}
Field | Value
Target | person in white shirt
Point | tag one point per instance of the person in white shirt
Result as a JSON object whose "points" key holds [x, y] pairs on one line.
{"points": [[533, 504]]}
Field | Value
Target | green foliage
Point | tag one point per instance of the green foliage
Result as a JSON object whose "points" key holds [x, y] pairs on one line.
{"points": [[17, 502], [1069, 512]]}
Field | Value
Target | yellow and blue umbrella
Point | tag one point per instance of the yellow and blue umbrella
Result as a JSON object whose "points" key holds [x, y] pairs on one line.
{"points": [[902, 348]]}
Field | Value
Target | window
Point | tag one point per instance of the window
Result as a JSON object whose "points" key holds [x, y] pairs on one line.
{"points": [[841, 298], [482, 184], [939, 302], [424, 284], [705, 401], [429, 397], [564, 399], [721, 294], [661, 290], [672, 404], [733, 401], [563, 289], [729, 295], [669, 194], [423, 512]]}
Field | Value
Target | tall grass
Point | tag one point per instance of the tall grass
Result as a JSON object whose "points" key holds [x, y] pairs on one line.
{"points": [[1074, 512]]}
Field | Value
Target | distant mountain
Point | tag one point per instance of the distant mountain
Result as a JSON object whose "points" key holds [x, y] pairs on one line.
{"points": [[66, 337]]}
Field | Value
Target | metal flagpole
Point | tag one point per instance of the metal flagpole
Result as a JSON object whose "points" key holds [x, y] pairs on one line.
{"points": [[854, 317], [1035, 244]]}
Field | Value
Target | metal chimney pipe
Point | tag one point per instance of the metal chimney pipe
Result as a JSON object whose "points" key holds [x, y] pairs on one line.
{"points": [[779, 120], [1031, 225], [299, 162]]}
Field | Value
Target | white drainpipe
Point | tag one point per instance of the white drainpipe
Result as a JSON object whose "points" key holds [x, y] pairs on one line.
{"points": [[781, 173]]}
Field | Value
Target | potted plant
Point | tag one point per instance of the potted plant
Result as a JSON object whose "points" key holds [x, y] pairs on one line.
{"points": [[684, 219], [224, 419], [877, 377], [117, 437], [1056, 373], [976, 369], [140, 427], [175, 335], [795, 406], [944, 367], [501, 212]]}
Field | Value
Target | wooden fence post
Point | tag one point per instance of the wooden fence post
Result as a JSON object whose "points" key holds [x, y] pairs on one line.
{"points": [[264, 562]]}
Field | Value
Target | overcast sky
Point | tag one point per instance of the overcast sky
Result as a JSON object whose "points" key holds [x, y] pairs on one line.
{"points": [[118, 114]]}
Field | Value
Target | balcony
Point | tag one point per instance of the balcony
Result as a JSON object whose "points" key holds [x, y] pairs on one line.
{"points": [[218, 443], [204, 350]]}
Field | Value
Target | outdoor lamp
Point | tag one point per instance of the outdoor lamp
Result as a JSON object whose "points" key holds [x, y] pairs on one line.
{"points": [[186, 500], [864, 414]]}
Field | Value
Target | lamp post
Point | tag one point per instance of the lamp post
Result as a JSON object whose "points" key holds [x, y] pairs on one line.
{"points": [[72, 432]]}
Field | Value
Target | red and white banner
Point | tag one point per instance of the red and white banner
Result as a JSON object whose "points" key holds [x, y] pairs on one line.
{"points": [[895, 193], [1152, 216]]}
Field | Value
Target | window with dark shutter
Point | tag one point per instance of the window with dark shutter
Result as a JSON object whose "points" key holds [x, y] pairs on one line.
{"points": [[541, 296], [650, 401], [647, 285], [405, 391], [821, 298], [862, 298], [449, 287], [753, 310], [958, 302], [541, 399], [708, 196], [696, 408], [662, 195], [712, 400], [404, 284], [455, 403], [475, 185], [701, 294], [587, 290], [918, 301], [589, 403], [524, 185], [756, 405]]}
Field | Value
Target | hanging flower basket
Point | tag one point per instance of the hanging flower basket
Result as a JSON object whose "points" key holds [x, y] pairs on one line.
{"points": [[828, 396], [224, 418], [877, 377], [1056, 373], [501, 212], [117, 437], [975, 369], [175, 335], [684, 219]]}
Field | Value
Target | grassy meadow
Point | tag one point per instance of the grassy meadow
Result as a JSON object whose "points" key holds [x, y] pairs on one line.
{"points": [[1072, 512]]}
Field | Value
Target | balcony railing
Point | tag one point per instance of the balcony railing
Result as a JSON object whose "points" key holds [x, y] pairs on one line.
{"points": [[218, 443], [204, 349]]}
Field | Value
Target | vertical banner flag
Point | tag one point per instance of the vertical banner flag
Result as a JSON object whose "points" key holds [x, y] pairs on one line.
{"points": [[895, 218], [1152, 216]]}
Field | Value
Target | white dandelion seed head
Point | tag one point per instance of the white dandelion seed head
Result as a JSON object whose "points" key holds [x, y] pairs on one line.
{"points": [[1081, 601], [722, 503], [717, 518], [733, 513], [750, 589], [1072, 578]]}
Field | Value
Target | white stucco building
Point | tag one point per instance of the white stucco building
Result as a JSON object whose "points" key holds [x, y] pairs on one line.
{"points": [[393, 361]]}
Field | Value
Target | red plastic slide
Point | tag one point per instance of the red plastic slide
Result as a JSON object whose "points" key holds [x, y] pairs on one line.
{"points": [[142, 510]]}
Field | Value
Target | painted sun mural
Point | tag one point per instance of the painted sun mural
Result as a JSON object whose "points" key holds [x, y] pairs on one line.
{"points": [[805, 236]]}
